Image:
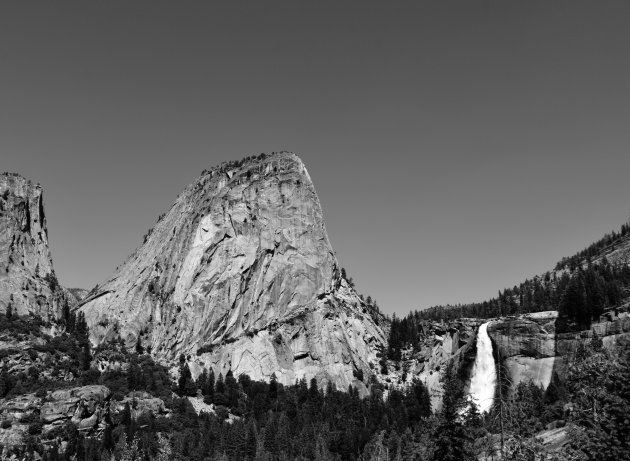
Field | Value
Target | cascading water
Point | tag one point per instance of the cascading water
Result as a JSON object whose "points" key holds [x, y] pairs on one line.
{"points": [[484, 373]]}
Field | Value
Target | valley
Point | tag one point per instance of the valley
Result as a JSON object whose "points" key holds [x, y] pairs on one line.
{"points": [[233, 332]]}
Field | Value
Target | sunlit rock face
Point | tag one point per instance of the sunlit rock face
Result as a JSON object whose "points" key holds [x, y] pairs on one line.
{"points": [[239, 274], [532, 350], [440, 345], [527, 346], [27, 279]]}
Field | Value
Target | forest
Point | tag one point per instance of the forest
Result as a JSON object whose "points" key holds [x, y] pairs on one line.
{"points": [[254, 420], [580, 297], [246, 419]]}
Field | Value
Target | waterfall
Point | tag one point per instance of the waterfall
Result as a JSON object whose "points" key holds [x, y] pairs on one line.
{"points": [[484, 373]]}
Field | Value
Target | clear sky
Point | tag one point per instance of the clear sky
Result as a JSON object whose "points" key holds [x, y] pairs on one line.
{"points": [[457, 147]]}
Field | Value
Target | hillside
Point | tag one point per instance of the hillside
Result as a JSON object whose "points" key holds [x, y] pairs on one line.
{"points": [[583, 287], [232, 333]]}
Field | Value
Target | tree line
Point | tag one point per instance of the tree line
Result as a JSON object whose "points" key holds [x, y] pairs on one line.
{"points": [[581, 297]]}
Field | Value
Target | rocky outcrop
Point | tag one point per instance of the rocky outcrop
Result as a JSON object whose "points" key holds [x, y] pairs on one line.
{"points": [[532, 350], [84, 406], [440, 344], [78, 294], [87, 407], [526, 345], [142, 403], [532, 335], [27, 280], [239, 274]]}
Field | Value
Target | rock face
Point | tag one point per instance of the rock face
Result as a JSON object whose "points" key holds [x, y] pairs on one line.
{"points": [[532, 350], [141, 402], [27, 280], [440, 344], [86, 407], [239, 274], [527, 347], [83, 406]]}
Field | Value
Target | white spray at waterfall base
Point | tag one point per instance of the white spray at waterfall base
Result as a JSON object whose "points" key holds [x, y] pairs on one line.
{"points": [[484, 373]]}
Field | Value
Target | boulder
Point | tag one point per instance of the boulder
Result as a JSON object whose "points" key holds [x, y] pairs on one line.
{"points": [[141, 402], [75, 404]]}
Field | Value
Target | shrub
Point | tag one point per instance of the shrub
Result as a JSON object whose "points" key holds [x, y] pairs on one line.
{"points": [[222, 412], [35, 428], [30, 418]]}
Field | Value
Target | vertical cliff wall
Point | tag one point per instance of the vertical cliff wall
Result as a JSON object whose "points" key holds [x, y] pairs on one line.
{"points": [[240, 274], [532, 350], [27, 279]]}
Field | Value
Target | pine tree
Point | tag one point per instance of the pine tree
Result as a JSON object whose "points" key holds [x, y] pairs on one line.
{"points": [[85, 357], [5, 383], [273, 387], [133, 374], [219, 387], [208, 390], [201, 380], [184, 380], [65, 312], [453, 440], [219, 391], [231, 389], [573, 303], [599, 384]]}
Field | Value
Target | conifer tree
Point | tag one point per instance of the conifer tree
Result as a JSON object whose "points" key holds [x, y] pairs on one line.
{"points": [[273, 387], [5, 383], [453, 440], [185, 380], [201, 380], [231, 389], [208, 390]]}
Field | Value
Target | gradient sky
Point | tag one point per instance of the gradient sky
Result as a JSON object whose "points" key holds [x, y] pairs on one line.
{"points": [[457, 147]]}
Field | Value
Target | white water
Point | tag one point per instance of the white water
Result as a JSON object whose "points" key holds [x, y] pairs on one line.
{"points": [[484, 373]]}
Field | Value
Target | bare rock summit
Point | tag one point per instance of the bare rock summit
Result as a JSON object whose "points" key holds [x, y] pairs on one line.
{"points": [[240, 275]]}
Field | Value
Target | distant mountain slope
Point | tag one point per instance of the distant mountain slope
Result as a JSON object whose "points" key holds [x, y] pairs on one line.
{"points": [[592, 284], [79, 293], [614, 246], [28, 284], [240, 273]]}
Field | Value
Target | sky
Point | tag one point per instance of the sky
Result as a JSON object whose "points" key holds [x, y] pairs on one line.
{"points": [[457, 147]]}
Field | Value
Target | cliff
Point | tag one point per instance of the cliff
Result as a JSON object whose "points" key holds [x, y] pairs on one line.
{"points": [[437, 345], [532, 350], [27, 280], [239, 274]]}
